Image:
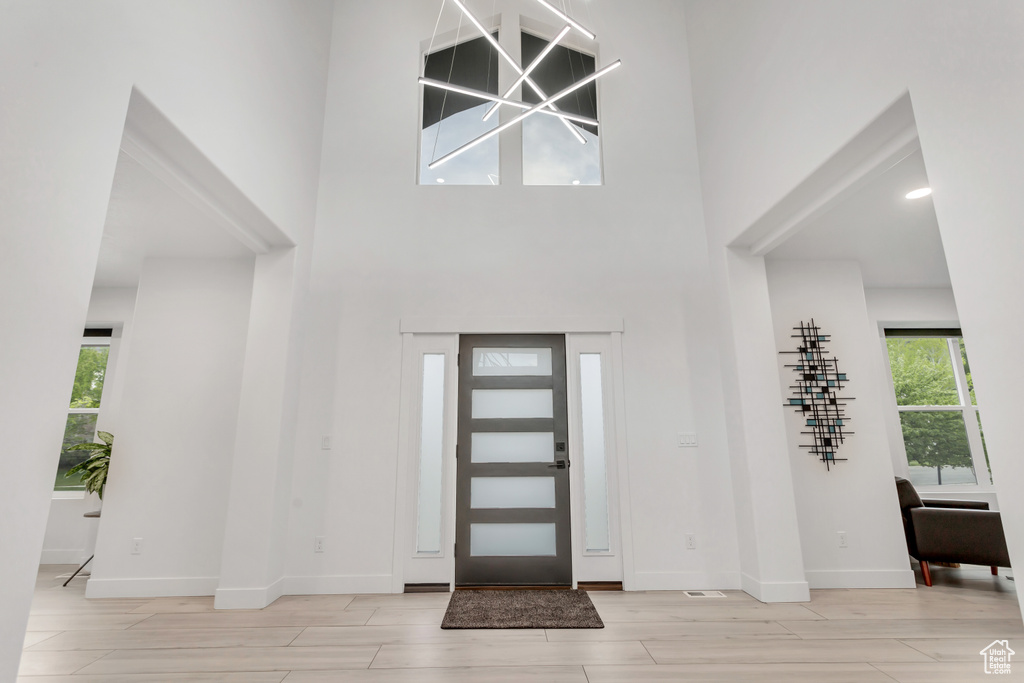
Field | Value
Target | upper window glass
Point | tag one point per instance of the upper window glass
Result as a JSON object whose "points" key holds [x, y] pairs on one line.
{"points": [[557, 152], [450, 119]]}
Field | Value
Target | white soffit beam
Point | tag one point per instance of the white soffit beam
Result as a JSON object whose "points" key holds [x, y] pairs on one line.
{"points": [[891, 136], [510, 325], [845, 187], [153, 141]]}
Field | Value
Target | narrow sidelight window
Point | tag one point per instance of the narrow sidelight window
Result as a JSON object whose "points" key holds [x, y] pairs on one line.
{"points": [[428, 514]]}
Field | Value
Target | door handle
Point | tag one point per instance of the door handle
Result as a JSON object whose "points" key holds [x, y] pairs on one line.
{"points": [[560, 464]]}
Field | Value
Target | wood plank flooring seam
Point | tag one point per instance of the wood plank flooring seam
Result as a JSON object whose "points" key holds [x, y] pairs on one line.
{"points": [[883, 672], [644, 645], [109, 652], [297, 636], [817, 614], [140, 621], [903, 640], [783, 626], [372, 659]]}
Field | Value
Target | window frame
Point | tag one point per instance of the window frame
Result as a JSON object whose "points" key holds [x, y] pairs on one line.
{"points": [[547, 32], [969, 411], [509, 27], [444, 41], [89, 340]]}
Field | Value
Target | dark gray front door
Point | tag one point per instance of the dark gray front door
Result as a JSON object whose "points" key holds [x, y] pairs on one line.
{"points": [[512, 504]]}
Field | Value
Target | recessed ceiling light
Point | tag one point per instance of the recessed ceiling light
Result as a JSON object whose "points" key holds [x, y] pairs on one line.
{"points": [[917, 194], [440, 180], [575, 182]]}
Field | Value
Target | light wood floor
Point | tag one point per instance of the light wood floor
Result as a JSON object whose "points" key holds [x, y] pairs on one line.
{"points": [[931, 635]]}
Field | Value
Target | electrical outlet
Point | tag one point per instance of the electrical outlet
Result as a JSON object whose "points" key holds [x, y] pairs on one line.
{"points": [[318, 544], [691, 541], [325, 443], [136, 546], [842, 539]]}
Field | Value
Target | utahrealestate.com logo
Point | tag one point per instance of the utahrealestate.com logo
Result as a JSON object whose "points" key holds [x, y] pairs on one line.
{"points": [[997, 657]]}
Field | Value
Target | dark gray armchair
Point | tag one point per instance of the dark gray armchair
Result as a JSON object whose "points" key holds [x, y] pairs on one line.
{"points": [[951, 531]]}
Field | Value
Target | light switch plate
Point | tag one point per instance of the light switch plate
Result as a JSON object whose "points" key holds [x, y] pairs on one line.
{"points": [[686, 440]]}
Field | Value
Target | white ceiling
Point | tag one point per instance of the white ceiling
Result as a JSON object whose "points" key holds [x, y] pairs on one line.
{"points": [[896, 240], [146, 218]]}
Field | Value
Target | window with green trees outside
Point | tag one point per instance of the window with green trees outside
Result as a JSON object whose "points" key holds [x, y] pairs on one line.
{"points": [[938, 410], [84, 409]]}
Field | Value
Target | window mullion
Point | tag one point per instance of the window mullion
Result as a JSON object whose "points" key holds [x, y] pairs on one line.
{"points": [[914, 409], [976, 444], [958, 371], [970, 411]]}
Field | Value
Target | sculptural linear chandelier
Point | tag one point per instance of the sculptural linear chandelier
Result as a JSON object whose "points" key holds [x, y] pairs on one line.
{"points": [[547, 103]]}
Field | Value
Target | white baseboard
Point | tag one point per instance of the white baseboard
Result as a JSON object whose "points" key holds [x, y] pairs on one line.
{"points": [[861, 578], [237, 598], [337, 585], [151, 588], [776, 591], [63, 557], [248, 598], [685, 581]]}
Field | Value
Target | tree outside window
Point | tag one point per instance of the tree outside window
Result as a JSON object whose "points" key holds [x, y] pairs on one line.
{"points": [[938, 409], [83, 411]]}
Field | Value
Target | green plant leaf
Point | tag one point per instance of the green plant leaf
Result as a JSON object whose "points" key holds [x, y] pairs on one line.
{"points": [[93, 470]]}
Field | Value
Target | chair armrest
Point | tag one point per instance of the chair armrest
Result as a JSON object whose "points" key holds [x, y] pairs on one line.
{"points": [[959, 504], [969, 536]]}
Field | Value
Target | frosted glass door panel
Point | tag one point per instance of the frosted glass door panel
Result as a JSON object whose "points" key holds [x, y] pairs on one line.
{"points": [[512, 492], [595, 486], [513, 447], [511, 540], [511, 362], [428, 518], [512, 403]]}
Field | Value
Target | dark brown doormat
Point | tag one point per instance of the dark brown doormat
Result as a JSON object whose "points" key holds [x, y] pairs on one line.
{"points": [[521, 609]]}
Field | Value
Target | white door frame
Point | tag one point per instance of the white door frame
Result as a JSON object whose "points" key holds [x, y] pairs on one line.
{"points": [[422, 336]]}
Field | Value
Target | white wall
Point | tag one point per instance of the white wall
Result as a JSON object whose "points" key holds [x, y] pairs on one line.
{"points": [[780, 86], [387, 249], [312, 487], [242, 79], [856, 496], [172, 461]]}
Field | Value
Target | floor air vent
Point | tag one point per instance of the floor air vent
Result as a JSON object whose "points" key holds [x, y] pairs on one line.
{"points": [[704, 594]]}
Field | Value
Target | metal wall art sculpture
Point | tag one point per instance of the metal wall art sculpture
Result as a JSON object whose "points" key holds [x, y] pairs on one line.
{"points": [[816, 394]]}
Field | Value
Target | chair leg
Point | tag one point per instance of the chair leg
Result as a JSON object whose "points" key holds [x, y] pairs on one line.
{"points": [[995, 571], [927, 573], [80, 568]]}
